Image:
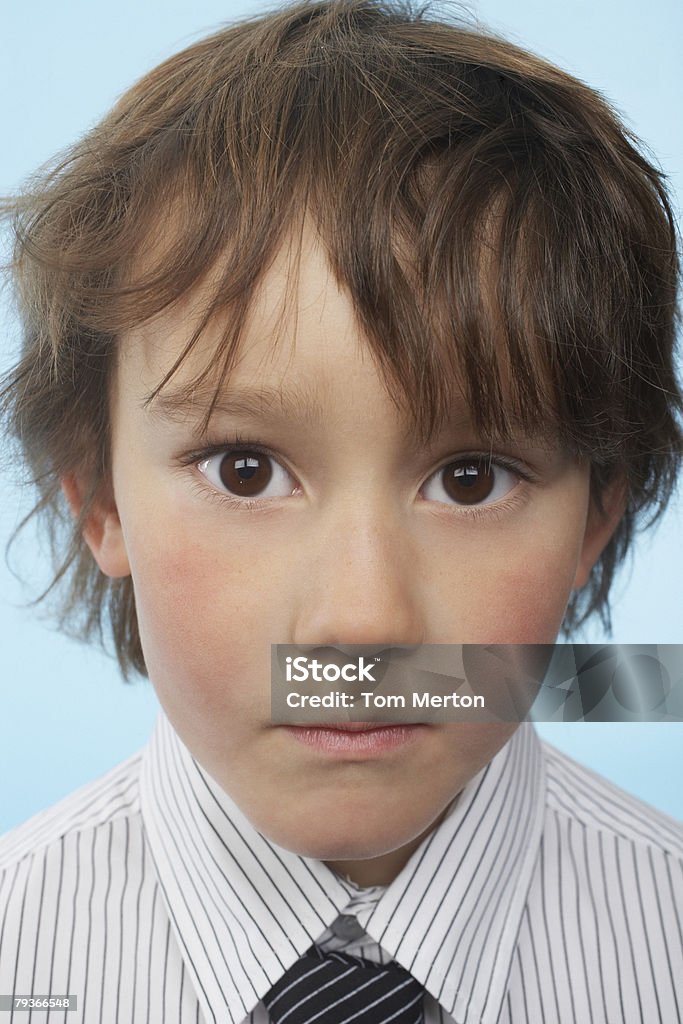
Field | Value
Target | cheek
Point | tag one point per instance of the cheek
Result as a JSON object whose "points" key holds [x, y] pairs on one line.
{"points": [[527, 609], [200, 616], [528, 602]]}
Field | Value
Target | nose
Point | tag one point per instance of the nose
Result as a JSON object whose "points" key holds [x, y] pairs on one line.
{"points": [[360, 585]]}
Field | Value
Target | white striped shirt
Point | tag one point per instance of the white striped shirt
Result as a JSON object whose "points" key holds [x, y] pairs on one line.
{"points": [[546, 895]]}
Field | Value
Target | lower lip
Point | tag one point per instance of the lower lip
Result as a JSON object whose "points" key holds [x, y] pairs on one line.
{"points": [[365, 741]]}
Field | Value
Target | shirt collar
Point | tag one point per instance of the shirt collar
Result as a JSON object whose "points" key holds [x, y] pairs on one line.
{"points": [[244, 910]]}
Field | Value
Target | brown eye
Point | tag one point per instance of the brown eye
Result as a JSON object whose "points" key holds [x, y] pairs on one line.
{"points": [[471, 481], [246, 473]]}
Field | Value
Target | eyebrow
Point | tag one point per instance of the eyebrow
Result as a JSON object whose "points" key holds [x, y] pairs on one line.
{"points": [[255, 402], [265, 402]]}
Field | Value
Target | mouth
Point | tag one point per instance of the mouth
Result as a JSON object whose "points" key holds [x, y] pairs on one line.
{"points": [[360, 740], [361, 726]]}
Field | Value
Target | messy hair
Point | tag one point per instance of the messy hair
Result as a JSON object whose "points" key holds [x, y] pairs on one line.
{"points": [[498, 229]]}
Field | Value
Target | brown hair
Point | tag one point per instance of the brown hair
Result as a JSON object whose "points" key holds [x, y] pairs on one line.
{"points": [[495, 224]]}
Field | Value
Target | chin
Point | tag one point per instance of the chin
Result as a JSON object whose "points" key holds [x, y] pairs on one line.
{"points": [[328, 838], [335, 847]]}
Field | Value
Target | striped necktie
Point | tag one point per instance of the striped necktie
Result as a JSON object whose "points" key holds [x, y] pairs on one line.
{"points": [[333, 988]]}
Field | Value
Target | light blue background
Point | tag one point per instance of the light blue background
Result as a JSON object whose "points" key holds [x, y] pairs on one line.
{"points": [[65, 716]]}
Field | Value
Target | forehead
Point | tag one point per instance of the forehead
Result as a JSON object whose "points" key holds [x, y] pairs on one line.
{"points": [[296, 345], [301, 349]]}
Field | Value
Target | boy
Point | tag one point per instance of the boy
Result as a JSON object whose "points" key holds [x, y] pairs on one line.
{"points": [[347, 326]]}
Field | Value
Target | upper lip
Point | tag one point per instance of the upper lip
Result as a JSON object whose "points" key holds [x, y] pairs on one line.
{"points": [[357, 726]]}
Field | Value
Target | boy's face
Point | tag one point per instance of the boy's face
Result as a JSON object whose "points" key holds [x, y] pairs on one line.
{"points": [[355, 537]]}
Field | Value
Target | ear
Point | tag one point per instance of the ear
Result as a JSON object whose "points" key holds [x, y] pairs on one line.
{"points": [[102, 527], [600, 525]]}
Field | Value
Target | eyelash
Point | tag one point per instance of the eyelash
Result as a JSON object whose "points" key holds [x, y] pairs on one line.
{"points": [[241, 443]]}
